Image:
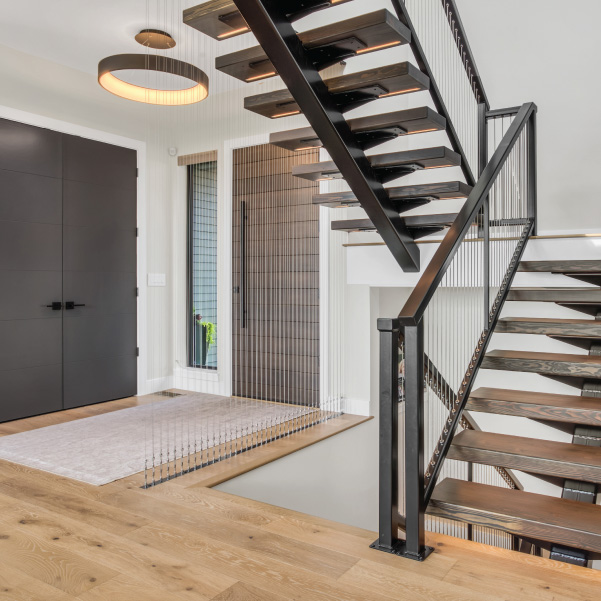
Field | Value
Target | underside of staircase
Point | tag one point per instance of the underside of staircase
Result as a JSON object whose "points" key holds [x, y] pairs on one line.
{"points": [[570, 527]]}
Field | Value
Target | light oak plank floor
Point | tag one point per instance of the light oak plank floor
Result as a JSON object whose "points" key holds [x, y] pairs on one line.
{"points": [[63, 540]]}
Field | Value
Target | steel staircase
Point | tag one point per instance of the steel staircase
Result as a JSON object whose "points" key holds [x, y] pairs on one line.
{"points": [[569, 527]]}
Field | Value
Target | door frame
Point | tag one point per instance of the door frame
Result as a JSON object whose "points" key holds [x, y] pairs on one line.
{"points": [[64, 127]]}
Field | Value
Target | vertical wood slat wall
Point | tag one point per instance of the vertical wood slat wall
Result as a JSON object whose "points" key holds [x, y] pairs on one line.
{"points": [[276, 356]]}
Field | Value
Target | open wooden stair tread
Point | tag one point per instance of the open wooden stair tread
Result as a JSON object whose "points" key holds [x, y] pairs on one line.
{"points": [[387, 163], [554, 364], [372, 129], [568, 266], [570, 296], [562, 521], [537, 405], [404, 197], [331, 43], [578, 328], [418, 225], [560, 459], [221, 19], [371, 84]]}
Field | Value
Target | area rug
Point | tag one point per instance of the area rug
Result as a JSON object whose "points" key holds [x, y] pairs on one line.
{"points": [[104, 448]]}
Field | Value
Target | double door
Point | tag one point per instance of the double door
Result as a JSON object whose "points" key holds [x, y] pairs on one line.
{"points": [[67, 271]]}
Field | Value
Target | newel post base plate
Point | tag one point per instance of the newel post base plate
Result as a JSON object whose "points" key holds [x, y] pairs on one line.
{"points": [[399, 548]]}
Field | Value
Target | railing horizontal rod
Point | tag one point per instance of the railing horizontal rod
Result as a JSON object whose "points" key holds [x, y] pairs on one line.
{"points": [[502, 112], [417, 303]]}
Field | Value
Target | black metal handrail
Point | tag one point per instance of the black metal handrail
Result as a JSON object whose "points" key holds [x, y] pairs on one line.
{"points": [[463, 46], [417, 303], [408, 328]]}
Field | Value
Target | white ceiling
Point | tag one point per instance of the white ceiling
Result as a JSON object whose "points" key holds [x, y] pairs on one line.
{"points": [[79, 33]]}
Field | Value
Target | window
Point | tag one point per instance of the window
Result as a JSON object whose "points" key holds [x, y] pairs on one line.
{"points": [[202, 276]]}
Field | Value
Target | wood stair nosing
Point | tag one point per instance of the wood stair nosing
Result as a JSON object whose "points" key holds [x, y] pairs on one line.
{"points": [[558, 459], [221, 19], [567, 328], [572, 296], [400, 194], [587, 367], [331, 43], [583, 410], [405, 122], [400, 78], [540, 517], [413, 222], [584, 266], [423, 158]]}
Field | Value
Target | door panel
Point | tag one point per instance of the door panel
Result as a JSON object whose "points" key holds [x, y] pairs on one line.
{"points": [[99, 261], [29, 149], [99, 249], [30, 391], [99, 163], [97, 205], [30, 246], [89, 336], [30, 198], [30, 272], [30, 343], [99, 380]]}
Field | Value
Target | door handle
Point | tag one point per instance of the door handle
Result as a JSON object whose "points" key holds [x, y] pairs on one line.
{"points": [[70, 305], [55, 306]]}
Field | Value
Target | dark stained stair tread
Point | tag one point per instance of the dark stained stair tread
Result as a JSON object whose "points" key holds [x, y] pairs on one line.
{"points": [[375, 127], [413, 222], [330, 43], [561, 459], [375, 83], [569, 266], [555, 364], [556, 295], [221, 19], [537, 405], [401, 195], [555, 520], [580, 328], [424, 158]]}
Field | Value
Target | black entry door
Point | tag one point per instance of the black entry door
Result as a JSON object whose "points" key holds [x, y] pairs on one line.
{"points": [[30, 270], [99, 260], [67, 271]]}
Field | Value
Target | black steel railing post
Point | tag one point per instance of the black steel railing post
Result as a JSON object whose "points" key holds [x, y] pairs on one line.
{"points": [[485, 217], [389, 436], [415, 505], [532, 173]]}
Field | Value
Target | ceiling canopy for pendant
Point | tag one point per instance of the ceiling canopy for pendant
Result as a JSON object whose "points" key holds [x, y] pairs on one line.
{"points": [[155, 38], [160, 64]]}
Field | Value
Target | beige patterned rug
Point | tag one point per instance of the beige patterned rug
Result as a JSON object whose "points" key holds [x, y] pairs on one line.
{"points": [[108, 447]]}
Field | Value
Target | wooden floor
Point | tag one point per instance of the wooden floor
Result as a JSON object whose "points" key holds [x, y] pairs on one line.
{"points": [[64, 540]]}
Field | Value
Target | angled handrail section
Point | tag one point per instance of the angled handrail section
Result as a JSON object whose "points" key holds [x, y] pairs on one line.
{"points": [[416, 305], [446, 325]]}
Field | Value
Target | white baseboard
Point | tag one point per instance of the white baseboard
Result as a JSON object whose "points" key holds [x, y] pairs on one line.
{"points": [[157, 385], [356, 406]]}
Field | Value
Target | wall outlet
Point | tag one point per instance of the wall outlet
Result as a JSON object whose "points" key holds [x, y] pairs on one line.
{"points": [[157, 279]]}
